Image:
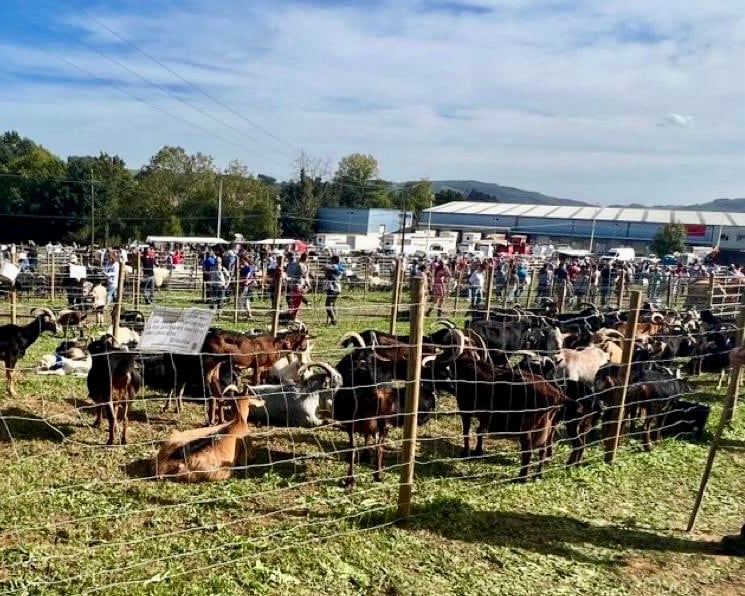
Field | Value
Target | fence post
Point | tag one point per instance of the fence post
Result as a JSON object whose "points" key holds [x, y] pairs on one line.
{"points": [[489, 289], [507, 279], [277, 294], [562, 296], [614, 426], [416, 315], [13, 305], [237, 290], [670, 290], [397, 283], [53, 274], [137, 281], [530, 287], [364, 283], [117, 313]]}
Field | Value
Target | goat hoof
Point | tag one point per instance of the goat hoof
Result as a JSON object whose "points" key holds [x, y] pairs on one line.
{"points": [[464, 453], [364, 456], [349, 481]]}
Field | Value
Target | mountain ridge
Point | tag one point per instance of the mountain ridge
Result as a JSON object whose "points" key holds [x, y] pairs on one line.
{"points": [[475, 190]]}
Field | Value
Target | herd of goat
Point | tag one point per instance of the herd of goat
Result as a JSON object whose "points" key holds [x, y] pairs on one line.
{"points": [[519, 373]]}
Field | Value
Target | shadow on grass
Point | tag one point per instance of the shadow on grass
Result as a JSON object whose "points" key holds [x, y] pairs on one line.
{"points": [[21, 424], [545, 534]]}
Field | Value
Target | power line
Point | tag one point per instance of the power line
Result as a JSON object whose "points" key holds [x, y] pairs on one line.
{"points": [[180, 77], [35, 177]]}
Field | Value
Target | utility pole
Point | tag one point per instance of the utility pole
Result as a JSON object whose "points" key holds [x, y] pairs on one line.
{"points": [[219, 209], [403, 221], [93, 215]]}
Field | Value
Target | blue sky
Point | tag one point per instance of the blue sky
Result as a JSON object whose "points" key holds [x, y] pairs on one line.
{"points": [[588, 99]]}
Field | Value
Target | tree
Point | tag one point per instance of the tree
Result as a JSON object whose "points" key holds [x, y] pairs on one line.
{"points": [[670, 238], [418, 195], [447, 195], [356, 184]]}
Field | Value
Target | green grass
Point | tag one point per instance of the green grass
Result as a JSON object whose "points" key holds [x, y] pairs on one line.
{"points": [[76, 516]]}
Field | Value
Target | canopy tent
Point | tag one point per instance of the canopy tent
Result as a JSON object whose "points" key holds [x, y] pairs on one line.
{"points": [[186, 240]]}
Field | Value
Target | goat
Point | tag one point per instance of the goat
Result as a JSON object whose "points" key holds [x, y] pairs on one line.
{"points": [[211, 453], [125, 336], [287, 368], [16, 339], [511, 402], [112, 383], [257, 352], [580, 365], [296, 404], [367, 402], [72, 317], [651, 394]]}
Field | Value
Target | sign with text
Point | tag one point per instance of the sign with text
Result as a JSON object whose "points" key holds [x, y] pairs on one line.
{"points": [[178, 330]]}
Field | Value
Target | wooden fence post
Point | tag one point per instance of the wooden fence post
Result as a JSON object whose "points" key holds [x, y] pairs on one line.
{"points": [[533, 275], [397, 283], [728, 412], [117, 313], [416, 333], [489, 288], [364, 283], [137, 282], [13, 305], [277, 294], [613, 427], [507, 279], [670, 290]]}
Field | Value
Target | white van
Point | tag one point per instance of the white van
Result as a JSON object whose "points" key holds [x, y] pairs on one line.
{"points": [[619, 254]]}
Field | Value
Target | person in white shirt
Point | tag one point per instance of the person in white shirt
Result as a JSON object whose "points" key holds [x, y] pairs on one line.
{"points": [[99, 295], [476, 285]]}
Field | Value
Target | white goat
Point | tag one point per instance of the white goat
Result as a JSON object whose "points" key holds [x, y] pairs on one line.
{"points": [[580, 365]]}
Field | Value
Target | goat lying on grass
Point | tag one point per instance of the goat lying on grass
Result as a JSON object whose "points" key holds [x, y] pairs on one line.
{"points": [[211, 453]]}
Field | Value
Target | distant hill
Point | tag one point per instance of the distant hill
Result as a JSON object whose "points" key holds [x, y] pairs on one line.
{"points": [[731, 205], [473, 190]]}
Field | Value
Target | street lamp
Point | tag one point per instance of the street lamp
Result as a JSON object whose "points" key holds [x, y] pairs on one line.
{"points": [[594, 220]]}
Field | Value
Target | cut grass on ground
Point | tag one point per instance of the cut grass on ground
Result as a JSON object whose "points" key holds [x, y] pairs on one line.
{"points": [[76, 516]]}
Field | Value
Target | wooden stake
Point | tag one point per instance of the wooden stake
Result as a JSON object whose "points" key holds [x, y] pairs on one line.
{"points": [[117, 314], [735, 375], [237, 291], [613, 428], [53, 274], [14, 306], [711, 290], [416, 333], [458, 286]]}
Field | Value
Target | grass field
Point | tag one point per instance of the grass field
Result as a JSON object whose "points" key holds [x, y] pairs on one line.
{"points": [[76, 516]]}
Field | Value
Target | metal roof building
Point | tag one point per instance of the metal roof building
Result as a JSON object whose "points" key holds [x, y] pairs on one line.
{"points": [[609, 226]]}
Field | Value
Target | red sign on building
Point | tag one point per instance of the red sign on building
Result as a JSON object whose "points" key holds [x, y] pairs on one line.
{"points": [[695, 229]]}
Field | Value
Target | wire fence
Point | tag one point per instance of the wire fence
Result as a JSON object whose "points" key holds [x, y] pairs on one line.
{"points": [[304, 450]]}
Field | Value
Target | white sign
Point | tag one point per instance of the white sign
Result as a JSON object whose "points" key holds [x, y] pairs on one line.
{"points": [[9, 271], [178, 330], [78, 271]]}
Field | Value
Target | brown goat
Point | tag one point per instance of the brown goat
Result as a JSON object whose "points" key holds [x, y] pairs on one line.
{"points": [[211, 453], [258, 352]]}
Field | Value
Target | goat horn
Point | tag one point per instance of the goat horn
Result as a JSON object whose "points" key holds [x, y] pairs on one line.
{"points": [[611, 332], [529, 353], [657, 318], [354, 336], [330, 370], [476, 338], [37, 312], [445, 323], [232, 387], [427, 359]]}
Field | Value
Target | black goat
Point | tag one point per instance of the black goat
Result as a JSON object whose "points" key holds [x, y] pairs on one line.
{"points": [[367, 403], [514, 403], [16, 339], [112, 383]]}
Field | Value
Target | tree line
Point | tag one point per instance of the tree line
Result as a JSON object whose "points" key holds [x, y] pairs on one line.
{"points": [[46, 198]]}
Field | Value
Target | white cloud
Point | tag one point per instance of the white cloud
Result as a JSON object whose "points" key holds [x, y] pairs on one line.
{"points": [[678, 120], [535, 94]]}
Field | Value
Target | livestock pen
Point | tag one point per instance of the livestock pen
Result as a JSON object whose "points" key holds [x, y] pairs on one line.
{"points": [[78, 516]]}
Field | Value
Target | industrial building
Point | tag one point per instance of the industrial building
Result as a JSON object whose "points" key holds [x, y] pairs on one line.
{"points": [[590, 227], [348, 220]]}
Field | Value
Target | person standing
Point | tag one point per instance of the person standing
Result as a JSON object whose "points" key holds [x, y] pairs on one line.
{"points": [[111, 269], [148, 262], [476, 285], [297, 284], [218, 280], [332, 285], [99, 295], [440, 279], [248, 283]]}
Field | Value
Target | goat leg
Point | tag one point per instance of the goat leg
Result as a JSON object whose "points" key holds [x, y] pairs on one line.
{"points": [[466, 420], [364, 455], [125, 410], [10, 378], [111, 415], [382, 434], [526, 454]]}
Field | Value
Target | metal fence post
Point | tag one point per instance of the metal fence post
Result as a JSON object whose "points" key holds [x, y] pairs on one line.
{"points": [[277, 294], [397, 283]]}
